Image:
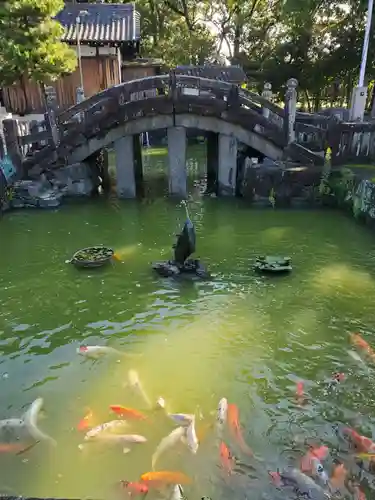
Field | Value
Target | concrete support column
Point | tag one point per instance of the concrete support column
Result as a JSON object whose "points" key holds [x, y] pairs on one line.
{"points": [[227, 173], [212, 161], [138, 165], [124, 153], [177, 161]]}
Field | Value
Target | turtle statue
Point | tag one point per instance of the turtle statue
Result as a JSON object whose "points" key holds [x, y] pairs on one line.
{"points": [[181, 265], [273, 264]]}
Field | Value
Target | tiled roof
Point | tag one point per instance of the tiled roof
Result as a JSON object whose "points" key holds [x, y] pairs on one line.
{"points": [[100, 22], [232, 74]]}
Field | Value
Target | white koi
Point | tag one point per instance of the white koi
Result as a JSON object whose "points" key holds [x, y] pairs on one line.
{"points": [[181, 418], [31, 417], [120, 438], [167, 442], [221, 415], [191, 437], [135, 383], [106, 427]]}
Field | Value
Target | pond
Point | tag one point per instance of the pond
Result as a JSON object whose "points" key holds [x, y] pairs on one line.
{"points": [[240, 336]]}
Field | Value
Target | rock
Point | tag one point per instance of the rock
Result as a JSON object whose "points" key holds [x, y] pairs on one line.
{"points": [[34, 194], [74, 180]]}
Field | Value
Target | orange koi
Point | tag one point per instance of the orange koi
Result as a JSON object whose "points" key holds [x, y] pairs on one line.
{"points": [[86, 422], [166, 477], [17, 448], [362, 443], [226, 458], [309, 460], [360, 342], [235, 428], [338, 477], [127, 413], [300, 393]]}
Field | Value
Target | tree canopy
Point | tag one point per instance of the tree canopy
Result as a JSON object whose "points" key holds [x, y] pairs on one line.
{"points": [[319, 42], [30, 42]]}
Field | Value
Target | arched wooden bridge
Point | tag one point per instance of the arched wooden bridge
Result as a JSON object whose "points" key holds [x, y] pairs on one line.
{"points": [[172, 102]]}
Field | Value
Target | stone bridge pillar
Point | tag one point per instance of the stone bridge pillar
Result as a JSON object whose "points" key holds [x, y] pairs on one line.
{"points": [[177, 161], [227, 171], [124, 153]]}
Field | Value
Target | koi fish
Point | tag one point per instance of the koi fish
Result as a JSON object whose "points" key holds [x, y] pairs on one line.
{"points": [[302, 484], [300, 394], [166, 477], [133, 488], [191, 437], [222, 415], [311, 462], [360, 342], [135, 383], [167, 442], [86, 422], [366, 456], [106, 427], [336, 379], [181, 418], [16, 448], [363, 443], [30, 419], [235, 428], [226, 458], [117, 439], [129, 413], [337, 480], [358, 493], [95, 351]]}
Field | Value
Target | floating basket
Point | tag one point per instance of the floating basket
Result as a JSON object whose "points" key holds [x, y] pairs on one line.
{"points": [[273, 264], [92, 257]]}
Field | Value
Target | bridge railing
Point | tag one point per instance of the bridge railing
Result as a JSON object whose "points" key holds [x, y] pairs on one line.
{"points": [[167, 93], [352, 143], [170, 93]]}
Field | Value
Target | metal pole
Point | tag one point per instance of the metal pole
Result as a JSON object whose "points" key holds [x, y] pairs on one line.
{"points": [[79, 54], [366, 44]]}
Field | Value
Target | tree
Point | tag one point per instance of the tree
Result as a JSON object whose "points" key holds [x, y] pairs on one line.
{"points": [[30, 43], [174, 32]]}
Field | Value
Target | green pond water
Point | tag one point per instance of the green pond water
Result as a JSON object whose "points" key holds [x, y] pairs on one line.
{"points": [[241, 336]]}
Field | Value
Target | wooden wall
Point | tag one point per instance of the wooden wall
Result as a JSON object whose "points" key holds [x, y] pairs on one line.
{"points": [[99, 73], [134, 71]]}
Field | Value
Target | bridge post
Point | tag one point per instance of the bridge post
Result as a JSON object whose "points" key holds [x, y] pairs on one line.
{"points": [[212, 161], [227, 171], [290, 110], [125, 178], [177, 161], [11, 131], [267, 94]]}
